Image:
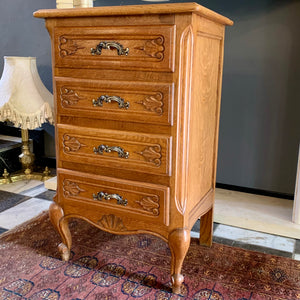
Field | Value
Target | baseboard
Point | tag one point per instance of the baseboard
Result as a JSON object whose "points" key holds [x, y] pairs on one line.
{"points": [[255, 191], [51, 162]]}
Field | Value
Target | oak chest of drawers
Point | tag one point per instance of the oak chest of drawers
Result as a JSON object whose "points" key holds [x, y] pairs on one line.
{"points": [[137, 98]]}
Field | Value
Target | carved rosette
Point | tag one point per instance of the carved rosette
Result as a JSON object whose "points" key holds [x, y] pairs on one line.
{"points": [[153, 103], [154, 48], [67, 47], [150, 204], [68, 97], [112, 223], [152, 154], [71, 188], [71, 143]]}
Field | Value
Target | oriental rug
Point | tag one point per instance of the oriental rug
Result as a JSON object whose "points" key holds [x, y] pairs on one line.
{"points": [[106, 266]]}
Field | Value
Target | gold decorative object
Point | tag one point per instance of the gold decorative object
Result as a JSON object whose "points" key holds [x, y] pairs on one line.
{"points": [[27, 104], [74, 3]]}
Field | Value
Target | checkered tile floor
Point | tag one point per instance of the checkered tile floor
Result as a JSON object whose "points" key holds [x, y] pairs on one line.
{"points": [[21, 201]]}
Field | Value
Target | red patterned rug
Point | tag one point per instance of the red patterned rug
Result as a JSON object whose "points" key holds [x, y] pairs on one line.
{"points": [[106, 266]]}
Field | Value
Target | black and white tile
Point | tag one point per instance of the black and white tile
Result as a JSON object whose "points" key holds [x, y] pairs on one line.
{"points": [[29, 199], [21, 201]]}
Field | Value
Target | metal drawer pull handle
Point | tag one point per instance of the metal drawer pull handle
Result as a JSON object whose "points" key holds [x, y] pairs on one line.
{"points": [[110, 46], [104, 196], [109, 99], [104, 148]]}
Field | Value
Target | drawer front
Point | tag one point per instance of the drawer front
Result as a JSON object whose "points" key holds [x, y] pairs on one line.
{"points": [[116, 100], [139, 48], [146, 153], [136, 200]]}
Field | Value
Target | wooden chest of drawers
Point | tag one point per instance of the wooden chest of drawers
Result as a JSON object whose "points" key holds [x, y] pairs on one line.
{"points": [[137, 98]]}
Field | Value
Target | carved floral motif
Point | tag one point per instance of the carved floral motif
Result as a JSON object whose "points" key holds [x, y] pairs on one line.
{"points": [[112, 223], [71, 188], [71, 144], [67, 47], [68, 97], [154, 48], [152, 154], [150, 203], [153, 103]]}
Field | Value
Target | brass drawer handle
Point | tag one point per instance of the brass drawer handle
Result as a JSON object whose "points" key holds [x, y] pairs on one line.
{"points": [[104, 148], [101, 195], [110, 46], [109, 99]]}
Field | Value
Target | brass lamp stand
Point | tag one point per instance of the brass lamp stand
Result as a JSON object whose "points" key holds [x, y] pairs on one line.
{"points": [[27, 157], [27, 160]]}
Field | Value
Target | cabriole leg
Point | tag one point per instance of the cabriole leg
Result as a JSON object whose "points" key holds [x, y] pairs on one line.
{"points": [[61, 225], [179, 242]]}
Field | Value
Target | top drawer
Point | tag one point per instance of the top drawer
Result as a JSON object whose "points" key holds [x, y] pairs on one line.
{"points": [[137, 48]]}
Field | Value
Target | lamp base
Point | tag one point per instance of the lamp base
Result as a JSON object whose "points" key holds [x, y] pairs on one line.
{"points": [[9, 178], [26, 157], [27, 160]]}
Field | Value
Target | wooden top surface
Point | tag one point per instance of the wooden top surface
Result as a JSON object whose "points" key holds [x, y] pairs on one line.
{"points": [[171, 8]]}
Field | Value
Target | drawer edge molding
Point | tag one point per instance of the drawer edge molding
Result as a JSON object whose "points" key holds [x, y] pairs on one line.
{"points": [[150, 204], [149, 200], [151, 47], [150, 153], [142, 102]]}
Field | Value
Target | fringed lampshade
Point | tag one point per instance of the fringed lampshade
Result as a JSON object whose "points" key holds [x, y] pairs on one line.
{"points": [[24, 100]]}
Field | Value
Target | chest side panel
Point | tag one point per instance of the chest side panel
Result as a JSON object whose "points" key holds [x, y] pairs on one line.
{"points": [[204, 110]]}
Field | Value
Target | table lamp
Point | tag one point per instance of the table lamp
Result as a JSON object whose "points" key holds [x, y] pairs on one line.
{"points": [[27, 104]]}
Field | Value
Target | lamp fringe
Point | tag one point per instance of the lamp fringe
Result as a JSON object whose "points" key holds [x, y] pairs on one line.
{"points": [[29, 121]]}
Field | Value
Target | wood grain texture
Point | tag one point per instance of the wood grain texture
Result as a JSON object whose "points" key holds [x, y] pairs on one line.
{"points": [[149, 47], [60, 223], [206, 228], [136, 10], [137, 128], [144, 200], [146, 152], [184, 102], [203, 123], [148, 102], [179, 242]]}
